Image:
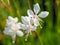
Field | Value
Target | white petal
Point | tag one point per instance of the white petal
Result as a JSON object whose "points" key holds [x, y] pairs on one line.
{"points": [[34, 28], [30, 12], [36, 22], [8, 31], [13, 26], [23, 26], [36, 8], [19, 33], [25, 20], [32, 21], [28, 20], [10, 18], [18, 26], [7, 23], [5, 31], [43, 14], [16, 19]]}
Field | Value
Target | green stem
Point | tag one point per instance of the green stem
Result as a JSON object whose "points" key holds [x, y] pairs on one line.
{"points": [[29, 4], [39, 37]]}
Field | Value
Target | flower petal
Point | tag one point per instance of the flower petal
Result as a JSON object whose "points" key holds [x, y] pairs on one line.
{"points": [[18, 26], [23, 26], [30, 12], [15, 19], [19, 33], [7, 22], [43, 14], [25, 20], [5, 31], [36, 22], [36, 8], [10, 18], [34, 28], [8, 31]]}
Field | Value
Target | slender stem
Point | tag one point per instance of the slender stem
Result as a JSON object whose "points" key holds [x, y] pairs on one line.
{"points": [[4, 3], [8, 2], [36, 33], [29, 4], [7, 5]]}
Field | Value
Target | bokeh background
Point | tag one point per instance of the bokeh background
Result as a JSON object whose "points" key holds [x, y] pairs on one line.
{"points": [[48, 35]]}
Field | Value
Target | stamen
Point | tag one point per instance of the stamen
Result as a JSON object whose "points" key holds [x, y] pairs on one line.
{"points": [[30, 32], [26, 36], [40, 26], [13, 41]]}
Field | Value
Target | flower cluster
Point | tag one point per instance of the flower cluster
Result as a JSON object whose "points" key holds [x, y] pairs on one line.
{"points": [[29, 23], [12, 28]]}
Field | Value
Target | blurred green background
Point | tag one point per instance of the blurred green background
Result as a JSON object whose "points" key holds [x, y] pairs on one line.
{"points": [[48, 35]]}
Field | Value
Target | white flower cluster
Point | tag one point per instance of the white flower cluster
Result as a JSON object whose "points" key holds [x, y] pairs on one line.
{"points": [[29, 23], [13, 28]]}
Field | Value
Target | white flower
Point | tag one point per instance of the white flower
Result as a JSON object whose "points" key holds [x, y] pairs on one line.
{"points": [[35, 16], [13, 28], [11, 20], [27, 26]]}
